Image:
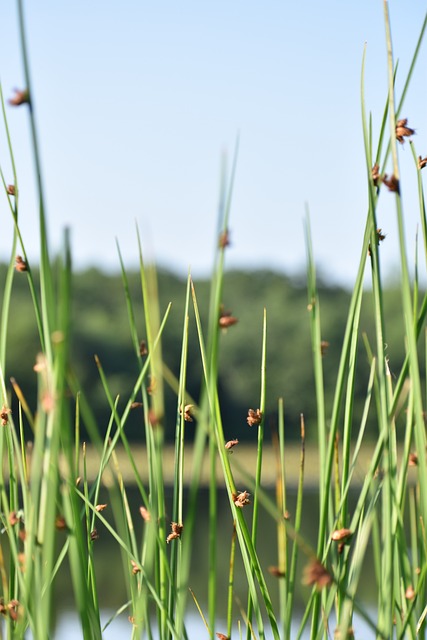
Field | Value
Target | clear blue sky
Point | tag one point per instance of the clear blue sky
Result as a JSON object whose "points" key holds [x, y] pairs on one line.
{"points": [[136, 103]]}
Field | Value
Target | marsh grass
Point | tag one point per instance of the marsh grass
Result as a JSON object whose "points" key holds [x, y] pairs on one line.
{"points": [[50, 506]]}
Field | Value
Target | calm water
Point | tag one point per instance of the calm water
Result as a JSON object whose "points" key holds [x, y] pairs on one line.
{"points": [[69, 629]]}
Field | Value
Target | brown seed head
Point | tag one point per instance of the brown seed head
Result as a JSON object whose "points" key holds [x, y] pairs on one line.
{"points": [[227, 321], [421, 162], [176, 531], [231, 443], [11, 189], [187, 412], [94, 535], [224, 239], [392, 183], [145, 514], [12, 608], [402, 131], [241, 499], [375, 173], [221, 636], [341, 535], [20, 264], [410, 593], [276, 572], [254, 417], [4, 413], [100, 507], [20, 97], [60, 523], [316, 574], [143, 348], [136, 405], [13, 518], [380, 236], [413, 460], [135, 568], [324, 346]]}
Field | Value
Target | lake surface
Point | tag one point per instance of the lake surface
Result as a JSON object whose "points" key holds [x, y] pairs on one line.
{"points": [[68, 628]]}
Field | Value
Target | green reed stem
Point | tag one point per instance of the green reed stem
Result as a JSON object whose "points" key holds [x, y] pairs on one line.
{"points": [[259, 457]]}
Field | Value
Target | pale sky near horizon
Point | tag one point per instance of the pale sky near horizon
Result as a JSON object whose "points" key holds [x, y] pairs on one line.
{"points": [[137, 103]]}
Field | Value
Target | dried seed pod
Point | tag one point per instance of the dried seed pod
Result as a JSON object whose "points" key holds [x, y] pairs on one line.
{"points": [[413, 460], [187, 412], [145, 514], [224, 239], [410, 593], [324, 346], [20, 97], [392, 183], [60, 523], [4, 413], [341, 535], [402, 131], [227, 321], [143, 348], [316, 574], [241, 499], [20, 264], [375, 173], [254, 417], [13, 518], [176, 531], [135, 568]]}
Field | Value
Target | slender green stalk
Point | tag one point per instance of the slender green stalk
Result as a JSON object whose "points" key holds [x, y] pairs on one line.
{"points": [[298, 518], [177, 596], [259, 455], [281, 501]]}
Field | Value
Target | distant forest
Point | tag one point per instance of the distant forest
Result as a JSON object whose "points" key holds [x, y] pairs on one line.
{"points": [[101, 327]]}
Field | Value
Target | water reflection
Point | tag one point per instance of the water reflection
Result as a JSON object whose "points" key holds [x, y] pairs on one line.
{"points": [[68, 628]]}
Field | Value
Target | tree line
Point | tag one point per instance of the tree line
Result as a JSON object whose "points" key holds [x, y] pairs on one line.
{"points": [[100, 327]]}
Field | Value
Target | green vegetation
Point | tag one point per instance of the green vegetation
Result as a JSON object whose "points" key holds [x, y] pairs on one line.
{"points": [[98, 304], [51, 510]]}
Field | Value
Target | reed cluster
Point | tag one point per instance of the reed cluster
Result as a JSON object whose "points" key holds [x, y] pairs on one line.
{"points": [[51, 510]]}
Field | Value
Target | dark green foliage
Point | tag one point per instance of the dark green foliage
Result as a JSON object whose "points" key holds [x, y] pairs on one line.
{"points": [[100, 326]]}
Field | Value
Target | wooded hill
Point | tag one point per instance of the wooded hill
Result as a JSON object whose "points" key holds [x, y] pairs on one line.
{"points": [[100, 326]]}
